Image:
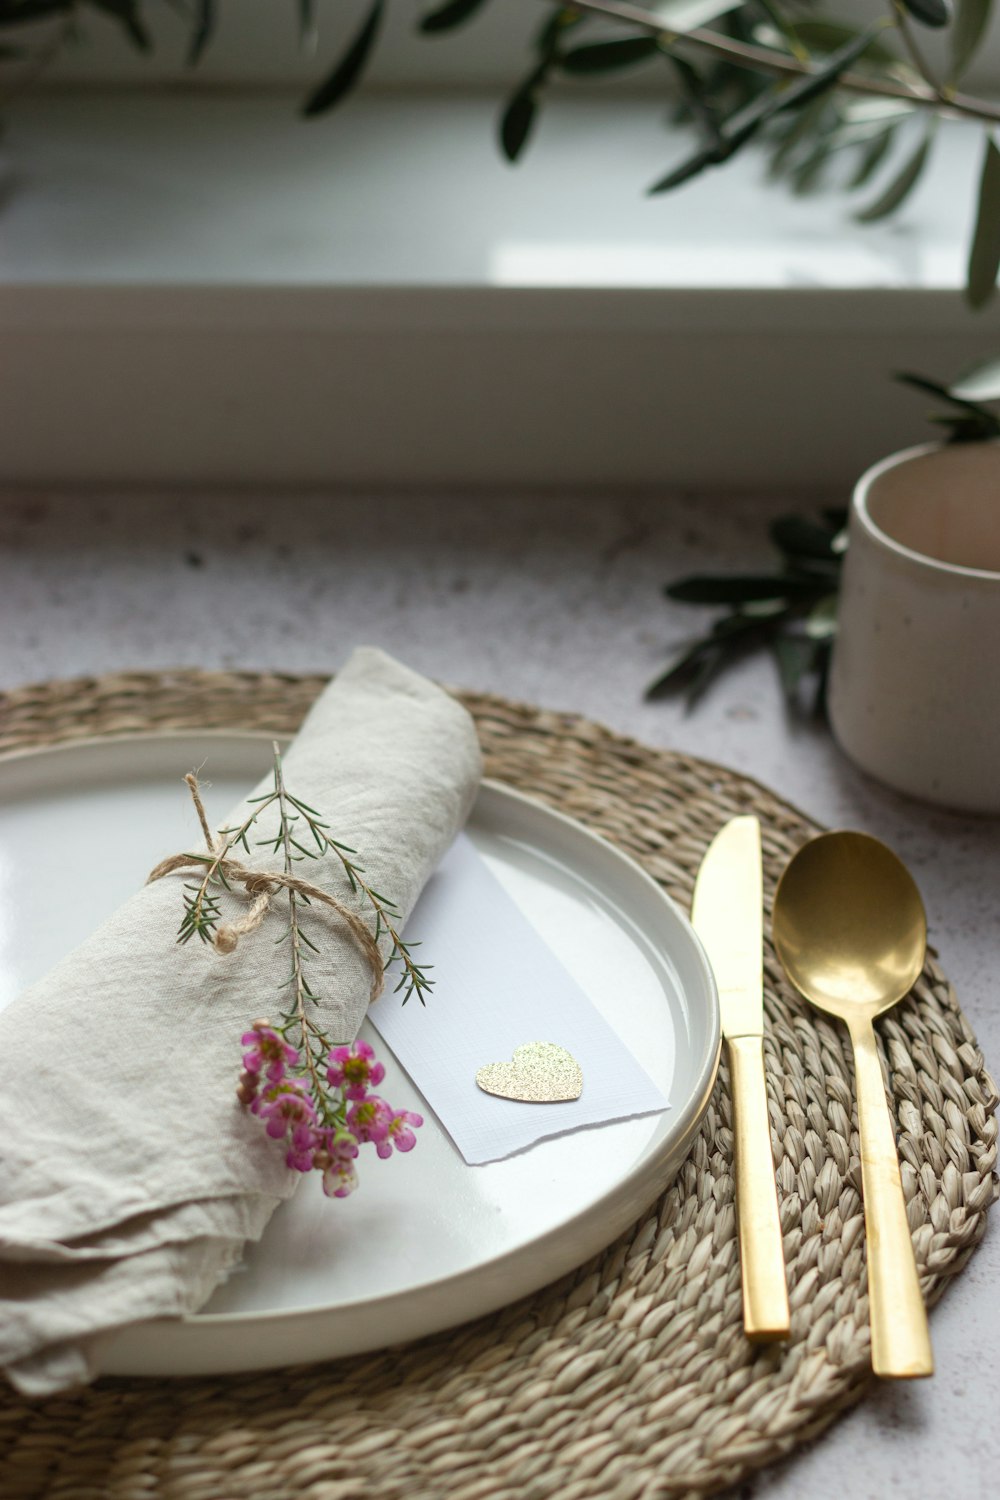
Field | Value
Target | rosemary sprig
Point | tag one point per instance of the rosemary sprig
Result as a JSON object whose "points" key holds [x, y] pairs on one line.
{"points": [[201, 908], [303, 994], [414, 979], [202, 911]]}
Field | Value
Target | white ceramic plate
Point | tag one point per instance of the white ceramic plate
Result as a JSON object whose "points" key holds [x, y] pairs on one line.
{"points": [[427, 1242]]}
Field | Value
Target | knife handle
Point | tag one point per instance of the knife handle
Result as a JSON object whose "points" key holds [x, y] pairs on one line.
{"points": [[762, 1256]]}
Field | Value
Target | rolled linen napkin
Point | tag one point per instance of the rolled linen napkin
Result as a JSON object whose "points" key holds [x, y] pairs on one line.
{"points": [[130, 1177]]}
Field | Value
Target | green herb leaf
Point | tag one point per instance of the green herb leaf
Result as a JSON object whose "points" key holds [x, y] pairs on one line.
{"points": [[708, 668], [803, 124], [709, 156], [981, 383], [679, 667], [27, 11], [786, 96], [349, 69], [900, 188], [742, 588], [984, 254], [744, 124], [821, 622], [127, 14], [519, 116], [607, 57], [967, 429], [308, 27], [799, 537], [827, 36], [808, 175], [454, 13], [930, 387], [872, 158], [795, 656], [967, 33], [204, 26], [930, 12]]}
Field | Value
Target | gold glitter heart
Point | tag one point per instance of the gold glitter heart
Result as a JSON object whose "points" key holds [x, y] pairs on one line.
{"points": [[538, 1073]]}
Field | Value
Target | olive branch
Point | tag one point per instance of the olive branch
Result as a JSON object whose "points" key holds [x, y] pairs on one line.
{"points": [[814, 90]]}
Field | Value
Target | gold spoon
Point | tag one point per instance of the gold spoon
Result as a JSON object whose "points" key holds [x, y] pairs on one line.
{"points": [[850, 930]]}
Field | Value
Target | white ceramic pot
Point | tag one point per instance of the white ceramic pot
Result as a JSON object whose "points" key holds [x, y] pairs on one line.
{"points": [[915, 680]]}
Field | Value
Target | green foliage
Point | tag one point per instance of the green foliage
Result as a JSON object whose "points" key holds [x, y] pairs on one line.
{"points": [[447, 17], [338, 84], [899, 187], [301, 834], [967, 420], [931, 12], [984, 254], [791, 612], [829, 100]]}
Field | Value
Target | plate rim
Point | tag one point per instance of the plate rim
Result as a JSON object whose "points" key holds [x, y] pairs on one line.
{"points": [[657, 1171]]}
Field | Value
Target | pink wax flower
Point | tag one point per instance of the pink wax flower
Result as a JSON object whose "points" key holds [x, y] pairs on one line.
{"points": [[354, 1069], [336, 1159], [269, 1051], [400, 1133], [369, 1120], [285, 1106], [302, 1149]]}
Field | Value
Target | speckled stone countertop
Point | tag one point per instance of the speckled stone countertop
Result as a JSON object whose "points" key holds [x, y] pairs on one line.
{"points": [[556, 601]]}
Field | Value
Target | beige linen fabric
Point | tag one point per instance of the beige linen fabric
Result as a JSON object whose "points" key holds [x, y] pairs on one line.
{"points": [[130, 1178]]}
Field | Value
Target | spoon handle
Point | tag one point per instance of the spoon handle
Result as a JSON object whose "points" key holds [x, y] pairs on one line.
{"points": [[901, 1346]]}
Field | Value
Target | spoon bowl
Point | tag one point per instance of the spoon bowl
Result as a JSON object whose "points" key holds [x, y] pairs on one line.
{"points": [[849, 925], [850, 930]]}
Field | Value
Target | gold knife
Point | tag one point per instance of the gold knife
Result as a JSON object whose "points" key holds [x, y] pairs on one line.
{"points": [[727, 916]]}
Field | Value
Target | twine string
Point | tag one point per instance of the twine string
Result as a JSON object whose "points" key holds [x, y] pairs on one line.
{"points": [[262, 886]]}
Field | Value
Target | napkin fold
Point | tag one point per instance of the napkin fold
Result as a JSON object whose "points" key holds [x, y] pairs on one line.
{"points": [[130, 1177]]}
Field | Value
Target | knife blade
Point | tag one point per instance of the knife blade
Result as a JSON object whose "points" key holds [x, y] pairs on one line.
{"points": [[727, 915]]}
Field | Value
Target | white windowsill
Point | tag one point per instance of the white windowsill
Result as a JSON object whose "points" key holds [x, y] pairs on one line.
{"points": [[189, 250], [410, 190]]}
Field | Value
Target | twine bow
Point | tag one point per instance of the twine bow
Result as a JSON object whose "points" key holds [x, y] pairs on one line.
{"points": [[262, 886]]}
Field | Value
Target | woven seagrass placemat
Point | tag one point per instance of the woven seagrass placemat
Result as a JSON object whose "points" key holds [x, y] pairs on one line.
{"points": [[631, 1378]]}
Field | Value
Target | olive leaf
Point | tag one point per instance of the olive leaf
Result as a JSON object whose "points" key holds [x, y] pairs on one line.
{"points": [[308, 24], [606, 57], [796, 657], [984, 253], [872, 158], [204, 27], [798, 537], [745, 122], [454, 13], [969, 422], [792, 613], [826, 36], [980, 383], [901, 186], [967, 33], [350, 67], [519, 115], [24, 12], [128, 16], [930, 12], [740, 588], [519, 112]]}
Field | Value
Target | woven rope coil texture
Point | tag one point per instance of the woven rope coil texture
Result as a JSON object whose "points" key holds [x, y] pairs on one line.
{"points": [[631, 1378]]}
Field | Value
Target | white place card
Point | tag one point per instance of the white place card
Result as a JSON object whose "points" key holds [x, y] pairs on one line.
{"points": [[497, 987]]}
